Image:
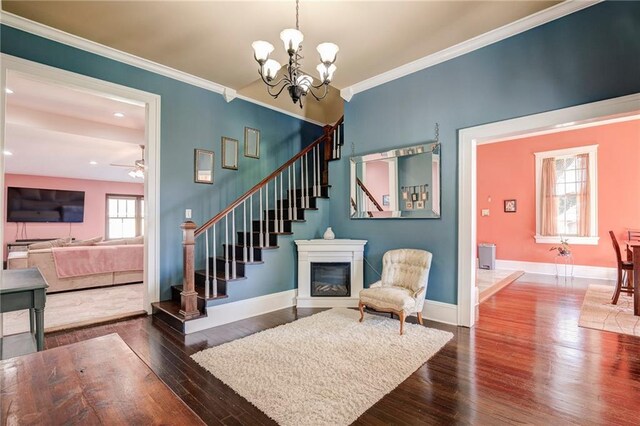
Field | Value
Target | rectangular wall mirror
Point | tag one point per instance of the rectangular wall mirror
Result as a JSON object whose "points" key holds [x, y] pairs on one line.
{"points": [[251, 142], [395, 184], [229, 153], [203, 166]]}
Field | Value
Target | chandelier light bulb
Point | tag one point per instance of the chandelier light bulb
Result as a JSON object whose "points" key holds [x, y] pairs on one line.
{"points": [[328, 52], [261, 50], [305, 82], [270, 69], [326, 72], [291, 39]]}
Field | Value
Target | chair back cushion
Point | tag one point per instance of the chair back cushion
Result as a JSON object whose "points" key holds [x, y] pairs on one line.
{"points": [[406, 268]]}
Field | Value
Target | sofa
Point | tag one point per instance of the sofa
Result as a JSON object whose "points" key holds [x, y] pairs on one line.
{"points": [[86, 264]]}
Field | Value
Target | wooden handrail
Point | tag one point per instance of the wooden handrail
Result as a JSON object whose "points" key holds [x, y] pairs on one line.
{"points": [[366, 191], [264, 181]]}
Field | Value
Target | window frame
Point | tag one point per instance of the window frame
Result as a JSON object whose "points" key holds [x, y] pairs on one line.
{"points": [[139, 199], [592, 150]]}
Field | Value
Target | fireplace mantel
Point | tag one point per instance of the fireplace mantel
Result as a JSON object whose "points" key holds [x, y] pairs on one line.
{"points": [[329, 251]]}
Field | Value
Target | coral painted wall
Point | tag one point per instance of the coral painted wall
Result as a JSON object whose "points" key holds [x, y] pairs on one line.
{"points": [[506, 170], [94, 206]]}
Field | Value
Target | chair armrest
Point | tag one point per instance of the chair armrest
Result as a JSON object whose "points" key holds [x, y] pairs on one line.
{"points": [[376, 284], [418, 292]]}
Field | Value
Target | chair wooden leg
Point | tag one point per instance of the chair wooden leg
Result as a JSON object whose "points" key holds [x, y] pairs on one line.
{"points": [[420, 318], [401, 315], [361, 307], [616, 293]]}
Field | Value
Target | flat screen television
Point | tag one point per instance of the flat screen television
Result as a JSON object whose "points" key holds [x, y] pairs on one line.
{"points": [[44, 205]]}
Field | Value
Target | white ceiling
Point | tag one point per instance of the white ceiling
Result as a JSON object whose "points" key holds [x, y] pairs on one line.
{"points": [[53, 130]]}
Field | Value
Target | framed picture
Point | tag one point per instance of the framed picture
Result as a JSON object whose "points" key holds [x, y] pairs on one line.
{"points": [[385, 200], [409, 205], [203, 166], [419, 204], [251, 142], [510, 206], [229, 153]]}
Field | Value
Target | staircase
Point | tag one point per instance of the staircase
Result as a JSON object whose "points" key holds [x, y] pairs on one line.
{"points": [[235, 238]]}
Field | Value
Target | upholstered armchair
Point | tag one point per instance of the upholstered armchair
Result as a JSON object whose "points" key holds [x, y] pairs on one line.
{"points": [[402, 287]]}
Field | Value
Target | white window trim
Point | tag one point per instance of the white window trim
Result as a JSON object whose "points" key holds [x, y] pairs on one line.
{"points": [[592, 150]]}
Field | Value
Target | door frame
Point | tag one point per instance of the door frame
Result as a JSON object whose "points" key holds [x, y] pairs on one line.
{"points": [[590, 114], [11, 64]]}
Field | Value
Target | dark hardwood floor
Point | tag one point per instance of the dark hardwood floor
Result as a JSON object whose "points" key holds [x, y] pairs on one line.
{"points": [[525, 362]]}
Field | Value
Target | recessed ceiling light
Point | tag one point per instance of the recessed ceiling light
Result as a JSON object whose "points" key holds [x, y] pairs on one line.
{"points": [[5, 152], [118, 114], [93, 163], [7, 90]]}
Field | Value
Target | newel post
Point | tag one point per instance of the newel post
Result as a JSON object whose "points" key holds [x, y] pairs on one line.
{"points": [[188, 296]]}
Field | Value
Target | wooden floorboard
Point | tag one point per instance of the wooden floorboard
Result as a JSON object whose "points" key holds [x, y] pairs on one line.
{"points": [[525, 362]]}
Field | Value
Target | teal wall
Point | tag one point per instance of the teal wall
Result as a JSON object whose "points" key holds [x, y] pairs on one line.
{"points": [[193, 118], [588, 56]]}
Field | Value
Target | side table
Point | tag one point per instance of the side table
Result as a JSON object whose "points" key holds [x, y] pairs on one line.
{"points": [[565, 260]]}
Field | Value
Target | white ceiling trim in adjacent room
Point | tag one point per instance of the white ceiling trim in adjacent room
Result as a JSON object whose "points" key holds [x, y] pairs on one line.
{"points": [[547, 15]]}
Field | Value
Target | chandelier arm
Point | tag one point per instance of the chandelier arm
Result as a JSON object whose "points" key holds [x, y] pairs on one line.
{"points": [[284, 86], [326, 90]]}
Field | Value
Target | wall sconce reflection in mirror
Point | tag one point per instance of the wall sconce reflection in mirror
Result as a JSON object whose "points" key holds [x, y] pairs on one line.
{"points": [[203, 166], [229, 153], [251, 142], [399, 183]]}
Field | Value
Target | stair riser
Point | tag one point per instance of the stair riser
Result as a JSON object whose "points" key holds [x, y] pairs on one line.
{"points": [[220, 264], [271, 214], [324, 192], [257, 253], [270, 226], [159, 314], [202, 303], [242, 237], [299, 203]]}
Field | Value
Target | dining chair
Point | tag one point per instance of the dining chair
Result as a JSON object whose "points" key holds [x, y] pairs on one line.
{"points": [[623, 267]]}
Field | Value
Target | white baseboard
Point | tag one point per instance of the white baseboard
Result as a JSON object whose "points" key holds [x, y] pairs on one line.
{"points": [[236, 311], [579, 271], [440, 312]]}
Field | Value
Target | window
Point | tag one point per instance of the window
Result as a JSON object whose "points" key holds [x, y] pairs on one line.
{"points": [[125, 216], [566, 195]]}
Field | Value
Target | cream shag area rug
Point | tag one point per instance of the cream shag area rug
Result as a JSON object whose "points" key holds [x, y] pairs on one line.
{"points": [[326, 369], [598, 312]]}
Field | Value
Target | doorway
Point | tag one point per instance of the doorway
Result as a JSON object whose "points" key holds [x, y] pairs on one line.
{"points": [[148, 105]]}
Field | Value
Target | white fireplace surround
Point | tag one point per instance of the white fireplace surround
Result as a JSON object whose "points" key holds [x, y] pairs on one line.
{"points": [[329, 251]]}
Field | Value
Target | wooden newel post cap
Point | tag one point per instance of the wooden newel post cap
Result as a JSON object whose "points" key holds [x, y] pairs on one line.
{"points": [[188, 225]]}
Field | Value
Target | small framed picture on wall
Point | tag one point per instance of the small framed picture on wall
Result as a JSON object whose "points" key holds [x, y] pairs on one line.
{"points": [[509, 206]]}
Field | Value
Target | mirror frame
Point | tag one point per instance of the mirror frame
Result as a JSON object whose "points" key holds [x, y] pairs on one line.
{"points": [[247, 132], [232, 144], [429, 146], [197, 166]]}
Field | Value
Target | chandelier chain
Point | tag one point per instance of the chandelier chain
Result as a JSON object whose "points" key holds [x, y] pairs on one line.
{"points": [[297, 10]]}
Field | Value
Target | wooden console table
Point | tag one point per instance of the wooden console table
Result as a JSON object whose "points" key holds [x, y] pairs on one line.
{"points": [[23, 289], [96, 381]]}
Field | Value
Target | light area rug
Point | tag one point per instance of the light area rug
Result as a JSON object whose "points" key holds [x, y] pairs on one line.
{"points": [[79, 308], [597, 311], [326, 369]]}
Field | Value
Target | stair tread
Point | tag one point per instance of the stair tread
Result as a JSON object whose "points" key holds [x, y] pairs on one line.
{"points": [[221, 277], [172, 308], [255, 262]]}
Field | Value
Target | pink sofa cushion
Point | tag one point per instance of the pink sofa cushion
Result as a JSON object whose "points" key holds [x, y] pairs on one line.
{"points": [[89, 260]]}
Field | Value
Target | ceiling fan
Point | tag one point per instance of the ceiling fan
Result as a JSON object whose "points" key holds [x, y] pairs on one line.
{"points": [[137, 168]]}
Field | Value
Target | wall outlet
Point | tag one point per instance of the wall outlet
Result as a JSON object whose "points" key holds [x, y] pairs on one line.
{"points": [[485, 212], [187, 213]]}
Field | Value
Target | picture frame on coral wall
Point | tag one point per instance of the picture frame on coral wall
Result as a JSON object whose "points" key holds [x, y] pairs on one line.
{"points": [[510, 206]]}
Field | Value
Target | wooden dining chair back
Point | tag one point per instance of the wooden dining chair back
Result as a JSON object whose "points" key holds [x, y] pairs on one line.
{"points": [[633, 234], [623, 284]]}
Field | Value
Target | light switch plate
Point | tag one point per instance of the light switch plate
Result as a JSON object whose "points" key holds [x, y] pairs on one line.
{"points": [[187, 213], [485, 212]]}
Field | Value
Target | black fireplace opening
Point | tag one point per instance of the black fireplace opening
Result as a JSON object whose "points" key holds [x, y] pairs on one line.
{"points": [[330, 279]]}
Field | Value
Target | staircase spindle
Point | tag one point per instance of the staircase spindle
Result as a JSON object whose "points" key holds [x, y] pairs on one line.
{"points": [[206, 266], [295, 193], [266, 199], [318, 180], [289, 192], [215, 266], [226, 252], [260, 237], [306, 181], [233, 243], [275, 203], [315, 185], [334, 144], [251, 226], [244, 231], [281, 205], [302, 182]]}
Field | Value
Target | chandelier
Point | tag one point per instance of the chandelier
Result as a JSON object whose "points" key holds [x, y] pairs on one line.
{"points": [[294, 80]]}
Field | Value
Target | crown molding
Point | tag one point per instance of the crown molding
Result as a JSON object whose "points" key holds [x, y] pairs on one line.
{"points": [[36, 28], [524, 24]]}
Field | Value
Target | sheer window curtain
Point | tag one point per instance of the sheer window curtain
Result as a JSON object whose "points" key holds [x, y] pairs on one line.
{"points": [[549, 205], [584, 197]]}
